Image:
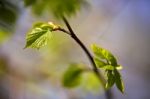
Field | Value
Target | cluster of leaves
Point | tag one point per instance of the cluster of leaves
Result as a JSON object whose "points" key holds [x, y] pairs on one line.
{"points": [[59, 8], [76, 74], [39, 36], [106, 60]]}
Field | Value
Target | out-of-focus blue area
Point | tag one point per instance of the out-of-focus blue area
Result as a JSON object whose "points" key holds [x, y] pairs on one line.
{"points": [[122, 26]]}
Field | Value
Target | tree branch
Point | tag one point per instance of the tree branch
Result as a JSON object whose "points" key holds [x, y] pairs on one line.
{"points": [[108, 93]]}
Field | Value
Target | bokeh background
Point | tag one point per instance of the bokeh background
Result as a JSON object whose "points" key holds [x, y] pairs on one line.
{"points": [[122, 26]]}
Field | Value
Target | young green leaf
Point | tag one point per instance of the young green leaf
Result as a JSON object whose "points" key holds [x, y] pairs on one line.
{"points": [[97, 51], [99, 63], [103, 65], [104, 54], [39, 35], [110, 79], [108, 67], [118, 81], [72, 76]]}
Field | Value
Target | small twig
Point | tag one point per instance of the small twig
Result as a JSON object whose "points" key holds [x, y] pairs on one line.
{"points": [[63, 30], [95, 69], [108, 93]]}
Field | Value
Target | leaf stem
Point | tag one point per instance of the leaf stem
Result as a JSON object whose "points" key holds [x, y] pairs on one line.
{"points": [[108, 93], [63, 30]]}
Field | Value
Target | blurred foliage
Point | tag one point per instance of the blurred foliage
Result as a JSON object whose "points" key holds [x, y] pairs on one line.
{"points": [[29, 2], [107, 61], [77, 75], [8, 13], [59, 8], [91, 82], [72, 76], [3, 35], [8, 17]]}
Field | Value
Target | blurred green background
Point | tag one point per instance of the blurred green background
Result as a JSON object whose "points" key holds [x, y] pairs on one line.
{"points": [[121, 26]]}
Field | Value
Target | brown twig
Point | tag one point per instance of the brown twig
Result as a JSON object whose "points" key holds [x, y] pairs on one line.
{"points": [[108, 93]]}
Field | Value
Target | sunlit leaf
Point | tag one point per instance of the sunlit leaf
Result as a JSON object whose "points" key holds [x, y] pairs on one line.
{"points": [[97, 51], [102, 64], [99, 63], [104, 54], [108, 67], [72, 76], [110, 79], [39, 35], [118, 81]]}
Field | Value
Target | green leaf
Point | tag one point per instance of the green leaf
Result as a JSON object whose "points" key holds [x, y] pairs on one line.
{"points": [[104, 54], [97, 51], [39, 35], [108, 67], [118, 81], [72, 76], [99, 63], [110, 79]]}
